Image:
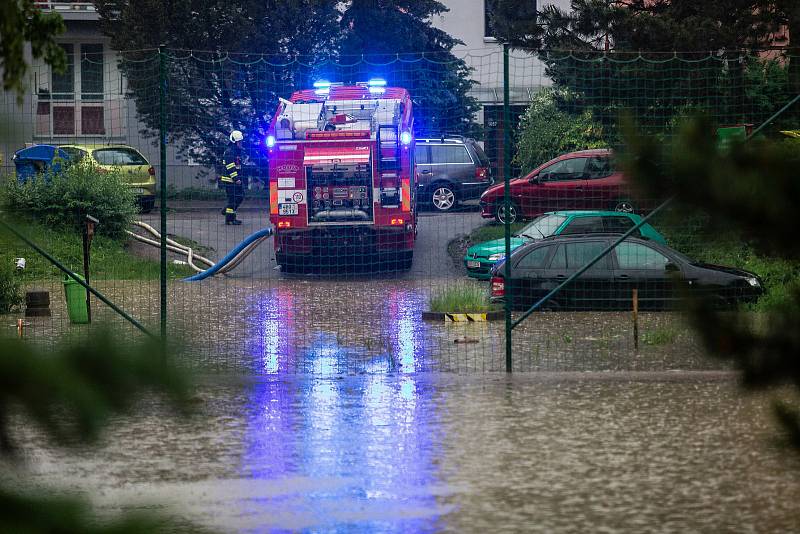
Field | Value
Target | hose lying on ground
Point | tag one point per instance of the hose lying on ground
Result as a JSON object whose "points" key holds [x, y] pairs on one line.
{"points": [[234, 257], [172, 245], [226, 264]]}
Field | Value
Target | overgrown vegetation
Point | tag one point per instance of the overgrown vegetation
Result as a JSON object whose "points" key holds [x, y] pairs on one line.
{"points": [[461, 298], [556, 122], [10, 292], [62, 200]]}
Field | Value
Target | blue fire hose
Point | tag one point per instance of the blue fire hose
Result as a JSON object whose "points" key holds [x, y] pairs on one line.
{"points": [[234, 257]]}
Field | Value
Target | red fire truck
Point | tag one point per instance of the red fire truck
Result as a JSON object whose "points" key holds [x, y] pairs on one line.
{"points": [[341, 174]]}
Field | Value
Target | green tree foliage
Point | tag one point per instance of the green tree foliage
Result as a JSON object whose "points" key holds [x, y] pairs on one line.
{"points": [[383, 30], [751, 189], [556, 122], [222, 84], [21, 22], [72, 393], [694, 53], [63, 199]]}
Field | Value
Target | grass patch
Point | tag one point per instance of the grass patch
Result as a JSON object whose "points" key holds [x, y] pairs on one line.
{"points": [[702, 241], [660, 336], [194, 245], [491, 231], [110, 258], [461, 298]]}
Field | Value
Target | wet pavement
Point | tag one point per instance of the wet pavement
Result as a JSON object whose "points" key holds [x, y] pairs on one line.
{"points": [[205, 225], [394, 452]]}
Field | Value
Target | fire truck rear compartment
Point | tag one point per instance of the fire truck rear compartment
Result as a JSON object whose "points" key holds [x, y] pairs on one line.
{"points": [[339, 193]]}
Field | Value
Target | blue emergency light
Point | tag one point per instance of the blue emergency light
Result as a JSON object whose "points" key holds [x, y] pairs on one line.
{"points": [[270, 141], [405, 138]]}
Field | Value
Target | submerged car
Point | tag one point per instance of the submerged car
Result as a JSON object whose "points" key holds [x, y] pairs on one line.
{"points": [[480, 258], [587, 179], [656, 271], [139, 174]]}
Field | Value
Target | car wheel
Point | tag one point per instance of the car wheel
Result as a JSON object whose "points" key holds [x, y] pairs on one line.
{"points": [[624, 205], [443, 198], [500, 214]]}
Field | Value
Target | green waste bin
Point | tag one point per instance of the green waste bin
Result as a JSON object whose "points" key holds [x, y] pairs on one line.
{"points": [[76, 301]]}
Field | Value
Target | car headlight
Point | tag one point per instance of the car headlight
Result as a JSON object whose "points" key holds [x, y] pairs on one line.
{"points": [[496, 257], [753, 282]]}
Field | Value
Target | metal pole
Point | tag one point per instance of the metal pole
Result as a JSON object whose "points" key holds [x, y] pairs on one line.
{"points": [[162, 84], [507, 202]]}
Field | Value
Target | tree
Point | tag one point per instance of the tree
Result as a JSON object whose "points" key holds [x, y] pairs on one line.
{"points": [[416, 55], [674, 53], [750, 188], [555, 123], [21, 22], [226, 62]]}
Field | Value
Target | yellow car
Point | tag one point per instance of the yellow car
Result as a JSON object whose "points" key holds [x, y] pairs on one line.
{"points": [[141, 176]]}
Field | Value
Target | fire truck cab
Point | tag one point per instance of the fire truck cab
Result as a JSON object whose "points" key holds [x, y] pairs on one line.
{"points": [[341, 168]]}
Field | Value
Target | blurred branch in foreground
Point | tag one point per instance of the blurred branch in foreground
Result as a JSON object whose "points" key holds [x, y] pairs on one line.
{"points": [[750, 188], [71, 394]]}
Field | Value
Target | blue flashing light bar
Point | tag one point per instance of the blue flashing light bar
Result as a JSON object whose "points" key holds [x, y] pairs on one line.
{"points": [[376, 82], [322, 84]]}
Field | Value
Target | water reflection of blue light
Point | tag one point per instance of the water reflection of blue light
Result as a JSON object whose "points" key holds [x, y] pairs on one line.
{"points": [[271, 332], [363, 444], [408, 340]]}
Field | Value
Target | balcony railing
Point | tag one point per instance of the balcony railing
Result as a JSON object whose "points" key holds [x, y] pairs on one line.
{"points": [[65, 5]]}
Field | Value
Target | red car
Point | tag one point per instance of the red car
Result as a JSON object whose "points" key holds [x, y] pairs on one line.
{"points": [[578, 180]]}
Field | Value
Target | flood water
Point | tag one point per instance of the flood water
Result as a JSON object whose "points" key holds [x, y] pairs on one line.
{"points": [[394, 452]]}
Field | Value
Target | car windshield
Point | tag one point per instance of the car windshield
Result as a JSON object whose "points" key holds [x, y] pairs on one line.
{"points": [[118, 156], [542, 226]]}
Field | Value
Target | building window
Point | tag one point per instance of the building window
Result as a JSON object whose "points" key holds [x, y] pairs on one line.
{"points": [[64, 84], [91, 72], [488, 27], [74, 102]]}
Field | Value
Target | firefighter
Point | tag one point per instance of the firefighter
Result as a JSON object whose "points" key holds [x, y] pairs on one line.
{"points": [[229, 177]]}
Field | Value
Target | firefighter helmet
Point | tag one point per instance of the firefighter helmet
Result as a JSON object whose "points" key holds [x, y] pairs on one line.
{"points": [[236, 136]]}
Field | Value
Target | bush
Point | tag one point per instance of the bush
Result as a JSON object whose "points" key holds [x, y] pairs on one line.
{"points": [[64, 199], [10, 294], [553, 125]]}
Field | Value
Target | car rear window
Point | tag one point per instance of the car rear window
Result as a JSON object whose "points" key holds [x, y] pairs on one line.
{"points": [[450, 154], [482, 158], [118, 156], [583, 225]]}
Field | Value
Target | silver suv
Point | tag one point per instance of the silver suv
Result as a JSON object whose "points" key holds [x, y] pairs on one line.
{"points": [[449, 170]]}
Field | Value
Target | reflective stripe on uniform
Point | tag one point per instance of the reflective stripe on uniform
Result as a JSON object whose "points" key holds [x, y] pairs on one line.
{"points": [[230, 210], [234, 174], [230, 165], [226, 179]]}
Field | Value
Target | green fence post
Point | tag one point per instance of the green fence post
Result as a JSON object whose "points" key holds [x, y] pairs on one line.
{"points": [[507, 201], [162, 101]]}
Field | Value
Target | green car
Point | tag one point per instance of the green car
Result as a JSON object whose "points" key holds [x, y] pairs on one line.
{"points": [[481, 257]]}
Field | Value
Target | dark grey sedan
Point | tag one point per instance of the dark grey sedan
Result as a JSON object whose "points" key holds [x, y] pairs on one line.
{"points": [[654, 270]]}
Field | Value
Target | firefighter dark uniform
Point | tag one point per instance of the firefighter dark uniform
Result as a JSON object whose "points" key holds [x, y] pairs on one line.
{"points": [[232, 181]]}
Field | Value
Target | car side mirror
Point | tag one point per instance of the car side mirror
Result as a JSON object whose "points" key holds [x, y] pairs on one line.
{"points": [[671, 268], [536, 178]]}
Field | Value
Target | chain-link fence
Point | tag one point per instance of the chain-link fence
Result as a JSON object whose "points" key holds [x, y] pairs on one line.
{"points": [[383, 183]]}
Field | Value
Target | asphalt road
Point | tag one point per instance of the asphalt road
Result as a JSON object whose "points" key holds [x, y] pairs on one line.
{"points": [[203, 223]]}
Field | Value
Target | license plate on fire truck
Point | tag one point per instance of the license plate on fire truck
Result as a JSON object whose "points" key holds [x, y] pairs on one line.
{"points": [[287, 209]]}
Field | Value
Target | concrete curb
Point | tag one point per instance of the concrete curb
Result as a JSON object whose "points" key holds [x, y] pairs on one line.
{"points": [[463, 317]]}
